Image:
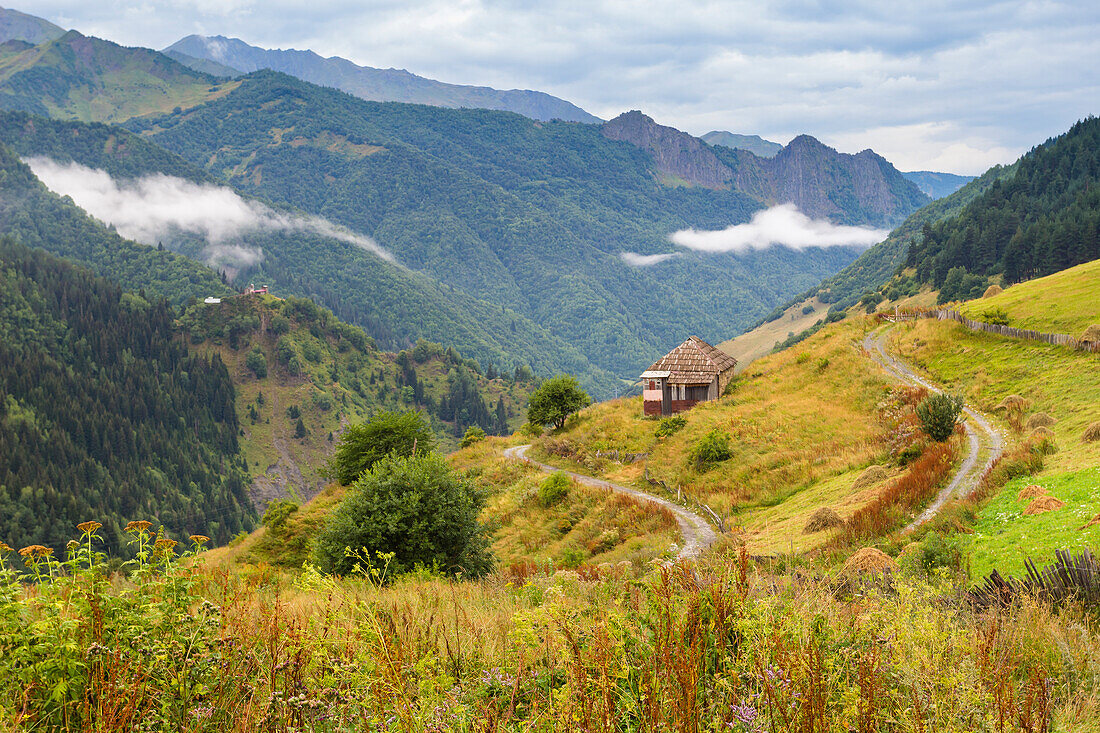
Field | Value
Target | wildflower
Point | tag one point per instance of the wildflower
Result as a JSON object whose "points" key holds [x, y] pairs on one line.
{"points": [[36, 551], [138, 526], [4, 547], [72, 545], [88, 527], [202, 712], [199, 539], [165, 544]]}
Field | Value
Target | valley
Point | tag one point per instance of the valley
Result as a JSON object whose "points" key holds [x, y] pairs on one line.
{"points": [[332, 396]]}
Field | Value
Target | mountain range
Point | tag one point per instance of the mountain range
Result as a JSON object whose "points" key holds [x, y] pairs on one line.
{"points": [[365, 82]]}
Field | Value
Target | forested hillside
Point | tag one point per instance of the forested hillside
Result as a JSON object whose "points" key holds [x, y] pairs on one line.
{"points": [[302, 376], [534, 216], [105, 414], [31, 214], [1043, 218]]}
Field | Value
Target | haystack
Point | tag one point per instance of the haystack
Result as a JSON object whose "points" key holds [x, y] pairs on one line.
{"points": [[1040, 420], [1092, 333], [1092, 432], [1041, 433], [1012, 402], [871, 476], [868, 560], [992, 290], [821, 520], [1043, 504], [1030, 492]]}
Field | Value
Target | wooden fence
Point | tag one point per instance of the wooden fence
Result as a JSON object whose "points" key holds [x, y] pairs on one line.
{"points": [[946, 314]]}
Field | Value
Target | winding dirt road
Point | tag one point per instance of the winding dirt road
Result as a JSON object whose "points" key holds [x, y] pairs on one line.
{"points": [[697, 534], [985, 437]]}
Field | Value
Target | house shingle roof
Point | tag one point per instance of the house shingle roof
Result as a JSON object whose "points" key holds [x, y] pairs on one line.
{"points": [[694, 362]]}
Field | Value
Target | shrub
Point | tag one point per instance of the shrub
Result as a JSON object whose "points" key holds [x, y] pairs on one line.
{"points": [[473, 434], [257, 362], [572, 557], [414, 507], [555, 400], [670, 426], [938, 415], [807, 310], [713, 448], [994, 316], [363, 445], [553, 489], [938, 551], [293, 412]]}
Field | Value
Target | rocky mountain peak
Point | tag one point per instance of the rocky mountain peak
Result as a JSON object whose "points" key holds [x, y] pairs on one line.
{"points": [[676, 155]]}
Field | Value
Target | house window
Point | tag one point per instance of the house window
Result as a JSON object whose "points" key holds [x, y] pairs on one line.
{"points": [[651, 384]]}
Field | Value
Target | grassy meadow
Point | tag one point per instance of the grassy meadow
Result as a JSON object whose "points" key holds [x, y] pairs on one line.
{"points": [[183, 645], [1065, 302]]}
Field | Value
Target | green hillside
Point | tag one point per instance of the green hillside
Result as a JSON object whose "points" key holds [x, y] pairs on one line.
{"points": [[291, 360], [82, 78], [531, 215], [1065, 302], [105, 414]]}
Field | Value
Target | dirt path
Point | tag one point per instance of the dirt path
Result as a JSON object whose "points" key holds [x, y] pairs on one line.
{"points": [[698, 535], [985, 437]]}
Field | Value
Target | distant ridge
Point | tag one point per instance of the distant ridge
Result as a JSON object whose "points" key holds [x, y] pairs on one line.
{"points": [[16, 26], [937, 185], [376, 85], [752, 143]]}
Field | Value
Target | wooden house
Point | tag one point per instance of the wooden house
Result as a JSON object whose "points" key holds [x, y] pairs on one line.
{"points": [[691, 373]]}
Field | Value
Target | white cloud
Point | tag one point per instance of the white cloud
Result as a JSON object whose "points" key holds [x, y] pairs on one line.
{"points": [[637, 260], [782, 225], [150, 209]]}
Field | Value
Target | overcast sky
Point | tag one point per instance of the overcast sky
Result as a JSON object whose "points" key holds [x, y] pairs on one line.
{"points": [[951, 86]]}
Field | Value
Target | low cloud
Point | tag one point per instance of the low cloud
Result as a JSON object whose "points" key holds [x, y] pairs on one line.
{"points": [[636, 260], [783, 226], [151, 208]]}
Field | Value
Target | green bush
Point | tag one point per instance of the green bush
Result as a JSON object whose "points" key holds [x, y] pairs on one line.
{"points": [[670, 426], [938, 551], [257, 362], [713, 448], [553, 489], [938, 414], [414, 507], [572, 557], [474, 434], [994, 316], [365, 444]]}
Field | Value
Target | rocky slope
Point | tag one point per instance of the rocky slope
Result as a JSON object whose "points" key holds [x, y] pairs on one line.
{"points": [[847, 189], [752, 143]]}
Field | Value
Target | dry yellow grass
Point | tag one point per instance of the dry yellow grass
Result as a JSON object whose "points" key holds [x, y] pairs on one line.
{"points": [[823, 519], [1013, 402], [1043, 504], [1031, 491], [1041, 433], [1040, 420], [1092, 432], [993, 290], [1092, 333], [868, 560], [872, 476]]}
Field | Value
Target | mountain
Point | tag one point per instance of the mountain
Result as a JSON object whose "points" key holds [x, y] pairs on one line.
{"points": [[847, 189], [396, 305], [533, 216], [753, 143], [377, 85], [206, 66], [16, 26], [937, 185], [82, 78], [1043, 218], [105, 414]]}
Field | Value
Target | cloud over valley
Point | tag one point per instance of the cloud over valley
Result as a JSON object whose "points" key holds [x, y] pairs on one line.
{"points": [[782, 225]]}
